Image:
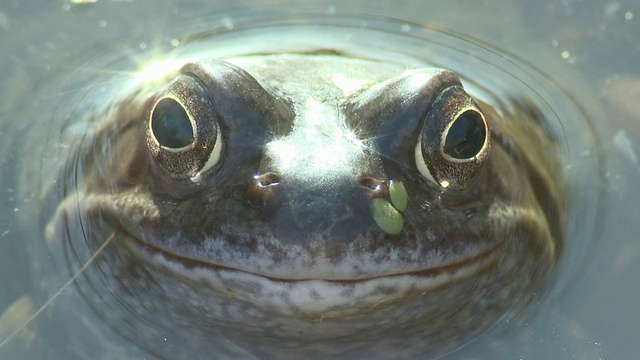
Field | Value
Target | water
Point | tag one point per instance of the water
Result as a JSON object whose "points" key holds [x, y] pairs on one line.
{"points": [[589, 313]]}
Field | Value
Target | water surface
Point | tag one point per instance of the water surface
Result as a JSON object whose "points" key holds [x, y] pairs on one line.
{"points": [[583, 50]]}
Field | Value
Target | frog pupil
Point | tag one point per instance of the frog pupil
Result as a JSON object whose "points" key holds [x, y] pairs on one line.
{"points": [[466, 136], [171, 125]]}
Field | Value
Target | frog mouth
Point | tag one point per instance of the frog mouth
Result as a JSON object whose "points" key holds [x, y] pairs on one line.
{"points": [[311, 297], [463, 268]]}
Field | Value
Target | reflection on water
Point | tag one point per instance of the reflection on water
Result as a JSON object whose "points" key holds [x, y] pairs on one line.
{"points": [[63, 68]]}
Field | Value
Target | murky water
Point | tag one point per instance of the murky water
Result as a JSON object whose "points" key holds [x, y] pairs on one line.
{"points": [[60, 59]]}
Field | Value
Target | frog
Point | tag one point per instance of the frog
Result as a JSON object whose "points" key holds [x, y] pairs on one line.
{"points": [[310, 204]]}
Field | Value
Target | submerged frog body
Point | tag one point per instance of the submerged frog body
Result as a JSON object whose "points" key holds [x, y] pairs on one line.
{"points": [[311, 205]]}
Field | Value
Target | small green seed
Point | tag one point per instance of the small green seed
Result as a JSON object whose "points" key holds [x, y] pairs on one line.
{"points": [[398, 195], [386, 216]]}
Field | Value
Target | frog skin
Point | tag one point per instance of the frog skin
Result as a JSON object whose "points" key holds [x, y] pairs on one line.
{"points": [[309, 205]]}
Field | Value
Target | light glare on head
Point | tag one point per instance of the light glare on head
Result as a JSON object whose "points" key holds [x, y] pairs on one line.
{"points": [[157, 70]]}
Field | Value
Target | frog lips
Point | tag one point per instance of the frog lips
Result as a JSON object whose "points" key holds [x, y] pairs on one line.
{"points": [[452, 271], [313, 298]]}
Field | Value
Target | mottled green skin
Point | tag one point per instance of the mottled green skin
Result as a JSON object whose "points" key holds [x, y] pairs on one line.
{"points": [[300, 267]]}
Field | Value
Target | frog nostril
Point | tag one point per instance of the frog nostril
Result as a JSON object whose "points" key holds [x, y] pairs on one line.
{"points": [[373, 184], [267, 179]]}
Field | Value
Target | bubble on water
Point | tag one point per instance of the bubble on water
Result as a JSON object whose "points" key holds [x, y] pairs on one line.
{"points": [[227, 23], [625, 145], [628, 16], [566, 55], [4, 21]]}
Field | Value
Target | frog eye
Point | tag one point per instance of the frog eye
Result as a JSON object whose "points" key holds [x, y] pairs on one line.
{"points": [[171, 125], [183, 134], [454, 143]]}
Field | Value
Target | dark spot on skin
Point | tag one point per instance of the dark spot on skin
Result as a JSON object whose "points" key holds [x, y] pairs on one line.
{"points": [[335, 252], [315, 295]]}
